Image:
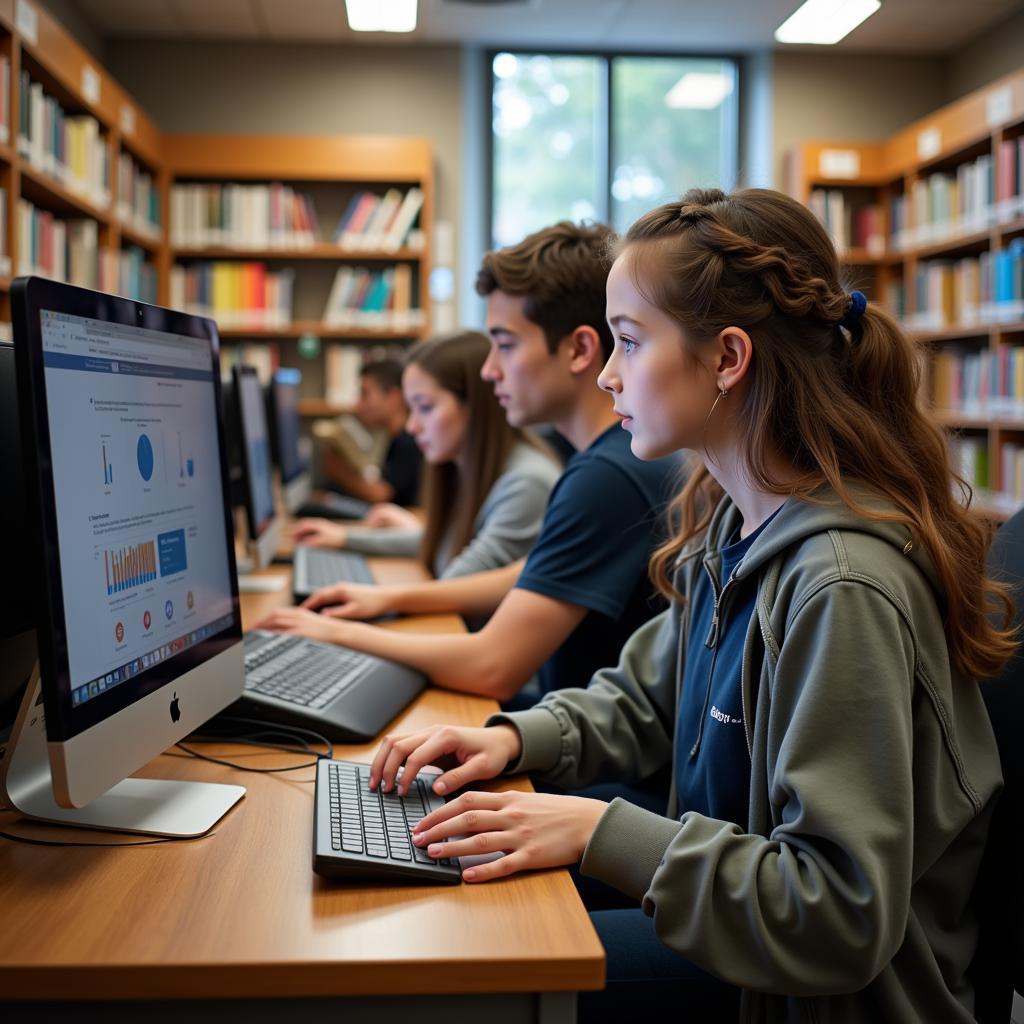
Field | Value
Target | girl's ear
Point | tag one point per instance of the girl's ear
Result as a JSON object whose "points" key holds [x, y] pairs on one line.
{"points": [[735, 350]]}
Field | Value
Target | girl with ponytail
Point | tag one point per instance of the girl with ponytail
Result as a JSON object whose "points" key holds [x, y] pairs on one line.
{"points": [[813, 683]]}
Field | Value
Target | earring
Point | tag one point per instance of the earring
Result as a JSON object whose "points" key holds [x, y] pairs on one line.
{"points": [[722, 392]]}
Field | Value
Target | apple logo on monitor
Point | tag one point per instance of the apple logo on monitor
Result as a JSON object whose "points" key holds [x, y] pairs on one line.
{"points": [[175, 710]]}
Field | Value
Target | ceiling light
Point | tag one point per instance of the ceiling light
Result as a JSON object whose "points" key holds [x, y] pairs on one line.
{"points": [[381, 15], [699, 90], [825, 21]]}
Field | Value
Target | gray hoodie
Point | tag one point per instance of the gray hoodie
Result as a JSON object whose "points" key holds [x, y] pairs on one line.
{"points": [[873, 773]]}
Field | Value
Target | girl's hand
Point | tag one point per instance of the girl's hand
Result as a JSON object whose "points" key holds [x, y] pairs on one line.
{"points": [[319, 533], [533, 830], [391, 517], [351, 601], [480, 753], [302, 622]]}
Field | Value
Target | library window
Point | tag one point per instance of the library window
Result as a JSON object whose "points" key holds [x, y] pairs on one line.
{"points": [[599, 137]]}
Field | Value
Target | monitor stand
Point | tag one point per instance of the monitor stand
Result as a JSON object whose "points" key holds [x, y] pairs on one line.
{"points": [[161, 807]]}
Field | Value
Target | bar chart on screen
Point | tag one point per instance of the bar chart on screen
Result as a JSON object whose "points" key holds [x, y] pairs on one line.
{"points": [[130, 566]]}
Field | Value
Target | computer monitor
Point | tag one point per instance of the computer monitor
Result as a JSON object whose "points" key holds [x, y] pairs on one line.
{"points": [[17, 601], [285, 433], [129, 528], [251, 423]]}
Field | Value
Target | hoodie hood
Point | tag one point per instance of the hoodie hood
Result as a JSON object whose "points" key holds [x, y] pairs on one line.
{"points": [[799, 519]]}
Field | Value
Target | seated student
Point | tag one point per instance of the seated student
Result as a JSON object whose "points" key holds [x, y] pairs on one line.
{"points": [[487, 482], [584, 588], [382, 406], [813, 683]]}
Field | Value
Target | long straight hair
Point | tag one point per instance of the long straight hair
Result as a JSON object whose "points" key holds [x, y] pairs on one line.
{"points": [[840, 404], [453, 492]]}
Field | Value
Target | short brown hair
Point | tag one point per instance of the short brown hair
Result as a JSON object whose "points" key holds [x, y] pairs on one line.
{"points": [[387, 373], [561, 271]]}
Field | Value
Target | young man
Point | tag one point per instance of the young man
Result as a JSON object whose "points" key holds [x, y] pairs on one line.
{"points": [[584, 587], [381, 406]]}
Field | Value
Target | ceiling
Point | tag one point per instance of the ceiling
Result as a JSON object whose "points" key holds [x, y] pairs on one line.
{"points": [[732, 26]]}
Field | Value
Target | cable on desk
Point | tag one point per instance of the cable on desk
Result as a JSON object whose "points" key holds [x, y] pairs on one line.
{"points": [[295, 733]]}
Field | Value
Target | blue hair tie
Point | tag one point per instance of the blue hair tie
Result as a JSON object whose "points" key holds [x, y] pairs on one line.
{"points": [[851, 318]]}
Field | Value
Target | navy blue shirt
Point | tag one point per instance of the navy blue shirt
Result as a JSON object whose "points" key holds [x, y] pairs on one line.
{"points": [[712, 760], [403, 465], [603, 520]]}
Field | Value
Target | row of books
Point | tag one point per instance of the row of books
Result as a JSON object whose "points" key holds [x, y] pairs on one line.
{"points": [[138, 199], [63, 250], [234, 294], [976, 196], [380, 299], [342, 366], [979, 383], [136, 275], [983, 289], [272, 216], [5, 259], [861, 227], [969, 458], [70, 148], [5, 99], [381, 222]]}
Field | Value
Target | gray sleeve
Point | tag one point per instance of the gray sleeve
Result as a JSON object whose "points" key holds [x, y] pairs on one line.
{"points": [[393, 543], [512, 515]]}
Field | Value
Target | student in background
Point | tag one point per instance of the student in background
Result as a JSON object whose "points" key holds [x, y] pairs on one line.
{"points": [[381, 406], [584, 587], [813, 683], [486, 484]]}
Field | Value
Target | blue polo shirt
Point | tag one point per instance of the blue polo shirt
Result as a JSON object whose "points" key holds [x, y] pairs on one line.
{"points": [[712, 760], [603, 519]]}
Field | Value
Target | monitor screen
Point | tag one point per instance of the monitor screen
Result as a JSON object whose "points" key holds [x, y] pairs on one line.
{"points": [[255, 449], [284, 401], [138, 503]]}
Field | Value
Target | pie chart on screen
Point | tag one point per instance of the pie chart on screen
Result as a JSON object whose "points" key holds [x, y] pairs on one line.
{"points": [[144, 455]]}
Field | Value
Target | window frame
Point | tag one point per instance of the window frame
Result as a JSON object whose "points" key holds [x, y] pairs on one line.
{"points": [[730, 143]]}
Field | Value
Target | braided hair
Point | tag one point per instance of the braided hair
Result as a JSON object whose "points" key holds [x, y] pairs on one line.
{"points": [[833, 389]]}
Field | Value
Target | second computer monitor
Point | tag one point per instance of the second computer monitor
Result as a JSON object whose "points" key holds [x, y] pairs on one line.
{"points": [[263, 523], [285, 432]]}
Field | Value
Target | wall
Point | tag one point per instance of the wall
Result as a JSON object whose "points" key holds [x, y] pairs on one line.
{"points": [[996, 53], [849, 97], [293, 89], [86, 35]]}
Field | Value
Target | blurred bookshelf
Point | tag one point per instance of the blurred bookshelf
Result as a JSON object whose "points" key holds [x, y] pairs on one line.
{"points": [[930, 223], [309, 251]]}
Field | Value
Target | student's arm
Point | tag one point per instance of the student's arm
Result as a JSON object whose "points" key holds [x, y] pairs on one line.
{"points": [[496, 662], [515, 512], [475, 596], [348, 478]]}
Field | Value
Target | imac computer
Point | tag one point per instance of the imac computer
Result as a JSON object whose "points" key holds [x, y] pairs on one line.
{"points": [[263, 523], [285, 434], [128, 560]]}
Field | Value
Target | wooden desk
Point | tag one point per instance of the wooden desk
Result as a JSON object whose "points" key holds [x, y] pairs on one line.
{"points": [[240, 916]]}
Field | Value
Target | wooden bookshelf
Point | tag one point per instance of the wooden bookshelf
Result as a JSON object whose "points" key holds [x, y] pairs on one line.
{"points": [[330, 169], [952, 137], [33, 41], [332, 166]]}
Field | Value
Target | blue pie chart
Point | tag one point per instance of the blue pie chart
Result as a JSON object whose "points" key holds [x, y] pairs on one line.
{"points": [[144, 455]]}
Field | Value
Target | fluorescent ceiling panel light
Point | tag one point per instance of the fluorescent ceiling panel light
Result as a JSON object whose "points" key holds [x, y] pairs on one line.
{"points": [[825, 21], [699, 90], [381, 15]]}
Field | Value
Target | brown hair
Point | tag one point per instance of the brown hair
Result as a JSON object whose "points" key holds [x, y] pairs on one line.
{"points": [[450, 497], [562, 272], [387, 373], [840, 405]]}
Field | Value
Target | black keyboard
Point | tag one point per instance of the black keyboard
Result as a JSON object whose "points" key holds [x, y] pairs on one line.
{"points": [[359, 833], [300, 671], [313, 568]]}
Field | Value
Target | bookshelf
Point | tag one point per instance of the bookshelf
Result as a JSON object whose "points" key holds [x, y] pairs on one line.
{"points": [[60, 212], [948, 196], [343, 288]]}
